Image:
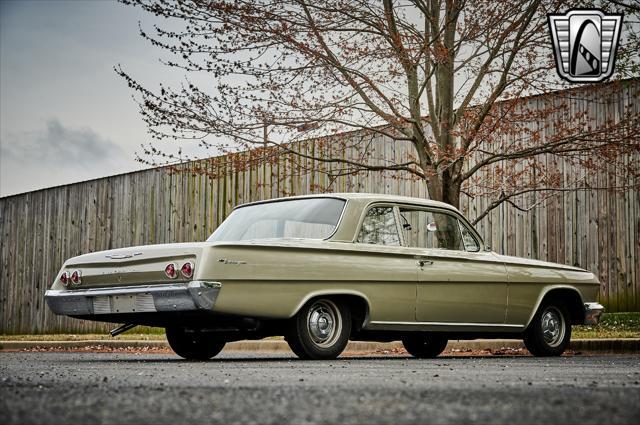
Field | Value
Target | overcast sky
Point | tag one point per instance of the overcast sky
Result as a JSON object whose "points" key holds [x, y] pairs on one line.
{"points": [[65, 116]]}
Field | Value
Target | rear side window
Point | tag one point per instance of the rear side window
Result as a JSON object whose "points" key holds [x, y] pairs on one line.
{"points": [[380, 227]]}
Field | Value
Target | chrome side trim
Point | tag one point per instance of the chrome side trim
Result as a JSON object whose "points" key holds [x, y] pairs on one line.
{"points": [[195, 295], [390, 325], [592, 313]]}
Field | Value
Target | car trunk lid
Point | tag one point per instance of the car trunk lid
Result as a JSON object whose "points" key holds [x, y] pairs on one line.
{"points": [[134, 265]]}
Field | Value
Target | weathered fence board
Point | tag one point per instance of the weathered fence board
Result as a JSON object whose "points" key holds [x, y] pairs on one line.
{"points": [[595, 229]]}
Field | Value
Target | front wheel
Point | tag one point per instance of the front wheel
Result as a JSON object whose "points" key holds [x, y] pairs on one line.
{"points": [[424, 346], [550, 330], [193, 344], [320, 330]]}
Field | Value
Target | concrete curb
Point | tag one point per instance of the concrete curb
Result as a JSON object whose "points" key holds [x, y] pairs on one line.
{"points": [[618, 346]]}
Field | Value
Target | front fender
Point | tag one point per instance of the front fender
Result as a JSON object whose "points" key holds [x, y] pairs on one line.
{"points": [[544, 292]]}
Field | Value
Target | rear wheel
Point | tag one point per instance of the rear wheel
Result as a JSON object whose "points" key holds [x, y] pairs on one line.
{"points": [[320, 330], [425, 346], [193, 344], [550, 330]]}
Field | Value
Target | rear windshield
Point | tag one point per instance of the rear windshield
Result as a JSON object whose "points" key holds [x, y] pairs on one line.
{"points": [[313, 218]]}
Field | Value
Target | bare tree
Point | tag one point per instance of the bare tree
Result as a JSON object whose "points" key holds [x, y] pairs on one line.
{"points": [[433, 73]]}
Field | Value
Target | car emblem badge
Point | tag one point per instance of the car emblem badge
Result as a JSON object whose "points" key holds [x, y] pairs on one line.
{"points": [[226, 261], [122, 256], [585, 44]]}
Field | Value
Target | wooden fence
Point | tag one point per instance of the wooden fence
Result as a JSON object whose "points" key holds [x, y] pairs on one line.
{"points": [[596, 229]]}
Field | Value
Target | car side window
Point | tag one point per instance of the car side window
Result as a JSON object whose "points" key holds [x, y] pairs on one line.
{"points": [[430, 229], [470, 243], [379, 227]]}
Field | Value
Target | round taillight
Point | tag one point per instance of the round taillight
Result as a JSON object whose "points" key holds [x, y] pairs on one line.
{"points": [[64, 278], [76, 277], [187, 269], [171, 271]]}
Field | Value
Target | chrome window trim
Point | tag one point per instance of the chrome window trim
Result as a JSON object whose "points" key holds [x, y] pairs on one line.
{"points": [[344, 209]]}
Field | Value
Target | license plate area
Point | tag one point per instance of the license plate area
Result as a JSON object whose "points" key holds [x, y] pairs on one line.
{"points": [[123, 303], [126, 303]]}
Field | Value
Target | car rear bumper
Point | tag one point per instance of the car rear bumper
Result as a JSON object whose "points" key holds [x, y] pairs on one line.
{"points": [[592, 313], [196, 295]]}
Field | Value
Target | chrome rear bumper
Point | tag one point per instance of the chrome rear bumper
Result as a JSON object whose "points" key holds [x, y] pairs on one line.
{"points": [[196, 295], [592, 313]]}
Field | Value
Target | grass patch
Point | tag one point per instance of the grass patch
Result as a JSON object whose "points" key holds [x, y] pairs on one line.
{"points": [[141, 333], [84, 337], [147, 330], [612, 325]]}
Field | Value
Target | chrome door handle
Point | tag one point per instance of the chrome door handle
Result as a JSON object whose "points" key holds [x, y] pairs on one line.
{"points": [[423, 262]]}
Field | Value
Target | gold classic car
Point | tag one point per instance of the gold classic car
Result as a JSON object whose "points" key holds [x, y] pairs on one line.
{"points": [[323, 269]]}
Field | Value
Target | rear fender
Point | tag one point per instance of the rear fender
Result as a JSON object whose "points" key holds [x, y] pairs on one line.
{"points": [[337, 293]]}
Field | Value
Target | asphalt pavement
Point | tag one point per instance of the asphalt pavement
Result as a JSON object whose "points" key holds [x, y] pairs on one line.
{"points": [[273, 388]]}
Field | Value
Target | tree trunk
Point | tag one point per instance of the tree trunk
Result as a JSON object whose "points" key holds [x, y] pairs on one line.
{"points": [[452, 194], [441, 188]]}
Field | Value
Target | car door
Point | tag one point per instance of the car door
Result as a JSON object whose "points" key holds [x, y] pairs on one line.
{"points": [[389, 271], [458, 282]]}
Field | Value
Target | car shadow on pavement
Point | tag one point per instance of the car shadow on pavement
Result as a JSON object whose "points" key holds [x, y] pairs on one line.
{"points": [[155, 358]]}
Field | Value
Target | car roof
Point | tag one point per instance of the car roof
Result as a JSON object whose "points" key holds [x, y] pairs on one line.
{"points": [[365, 198]]}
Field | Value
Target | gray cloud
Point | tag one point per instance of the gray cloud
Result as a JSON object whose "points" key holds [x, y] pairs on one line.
{"points": [[57, 154], [56, 143]]}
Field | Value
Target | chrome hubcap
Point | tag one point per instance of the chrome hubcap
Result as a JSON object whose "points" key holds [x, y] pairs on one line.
{"points": [[324, 323], [552, 327]]}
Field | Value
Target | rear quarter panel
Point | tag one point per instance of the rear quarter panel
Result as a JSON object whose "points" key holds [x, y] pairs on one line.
{"points": [[275, 281]]}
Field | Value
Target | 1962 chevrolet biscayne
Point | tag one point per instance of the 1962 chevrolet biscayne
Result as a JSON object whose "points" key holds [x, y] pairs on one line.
{"points": [[324, 269]]}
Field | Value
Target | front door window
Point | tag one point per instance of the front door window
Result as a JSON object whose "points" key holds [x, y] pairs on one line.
{"points": [[432, 230]]}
